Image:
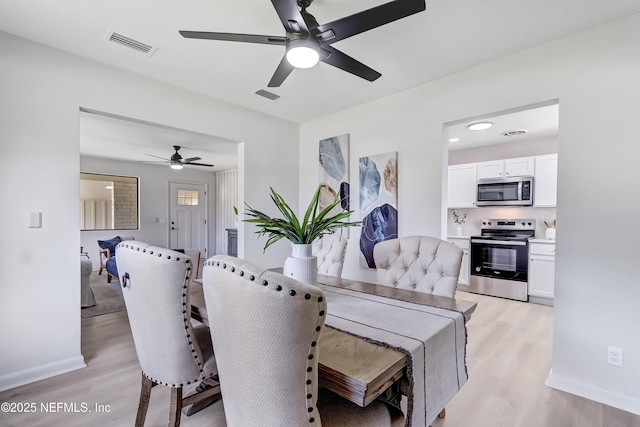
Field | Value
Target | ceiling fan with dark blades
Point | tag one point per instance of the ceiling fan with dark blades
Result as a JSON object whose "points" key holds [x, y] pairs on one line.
{"points": [[308, 42], [177, 162]]}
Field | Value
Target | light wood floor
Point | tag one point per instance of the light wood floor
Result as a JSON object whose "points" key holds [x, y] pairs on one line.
{"points": [[508, 360]]}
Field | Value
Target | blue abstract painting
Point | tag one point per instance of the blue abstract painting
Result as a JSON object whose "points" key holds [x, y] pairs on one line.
{"points": [[378, 203], [334, 174]]}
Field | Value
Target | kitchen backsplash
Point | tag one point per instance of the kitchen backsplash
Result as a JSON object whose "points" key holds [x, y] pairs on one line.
{"points": [[471, 226]]}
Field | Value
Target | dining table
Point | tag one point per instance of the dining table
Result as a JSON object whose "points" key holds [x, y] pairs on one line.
{"points": [[349, 365]]}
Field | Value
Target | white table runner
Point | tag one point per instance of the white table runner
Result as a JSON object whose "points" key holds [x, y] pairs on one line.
{"points": [[434, 338]]}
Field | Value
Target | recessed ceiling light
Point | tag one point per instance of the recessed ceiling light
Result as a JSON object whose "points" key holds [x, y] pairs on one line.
{"points": [[480, 126], [454, 140]]}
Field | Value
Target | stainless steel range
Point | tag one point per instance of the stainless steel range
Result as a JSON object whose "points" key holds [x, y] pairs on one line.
{"points": [[499, 258]]}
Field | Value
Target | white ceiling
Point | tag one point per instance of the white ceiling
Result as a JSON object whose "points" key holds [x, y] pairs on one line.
{"points": [[537, 123], [122, 139], [450, 36]]}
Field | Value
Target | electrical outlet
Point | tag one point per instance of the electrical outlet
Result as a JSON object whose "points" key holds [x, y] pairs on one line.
{"points": [[614, 356]]}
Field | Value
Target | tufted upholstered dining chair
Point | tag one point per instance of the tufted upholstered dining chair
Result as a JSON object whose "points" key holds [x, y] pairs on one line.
{"points": [[265, 327], [330, 250], [171, 351], [418, 263]]}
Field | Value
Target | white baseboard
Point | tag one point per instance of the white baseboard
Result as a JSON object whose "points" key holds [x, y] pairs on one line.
{"points": [[28, 376], [591, 392]]}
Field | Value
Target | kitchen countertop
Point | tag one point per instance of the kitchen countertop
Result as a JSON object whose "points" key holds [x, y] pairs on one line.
{"points": [[457, 237], [548, 241]]}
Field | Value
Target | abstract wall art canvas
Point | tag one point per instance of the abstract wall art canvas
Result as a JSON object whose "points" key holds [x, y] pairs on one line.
{"points": [[334, 174], [378, 203]]}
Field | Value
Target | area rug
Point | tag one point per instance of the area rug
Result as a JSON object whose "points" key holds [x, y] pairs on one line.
{"points": [[108, 296]]}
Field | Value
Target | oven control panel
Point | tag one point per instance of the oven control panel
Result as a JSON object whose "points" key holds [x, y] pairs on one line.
{"points": [[509, 224]]}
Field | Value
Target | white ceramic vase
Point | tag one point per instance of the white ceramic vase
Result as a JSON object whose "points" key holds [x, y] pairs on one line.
{"points": [[550, 233], [302, 265], [459, 230]]}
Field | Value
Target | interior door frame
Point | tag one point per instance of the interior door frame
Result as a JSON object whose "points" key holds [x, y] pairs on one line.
{"points": [[204, 254]]}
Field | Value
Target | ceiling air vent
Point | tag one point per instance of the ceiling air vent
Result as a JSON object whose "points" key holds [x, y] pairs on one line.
{"points": [[129, 42], [514, 132], [267, 94]]}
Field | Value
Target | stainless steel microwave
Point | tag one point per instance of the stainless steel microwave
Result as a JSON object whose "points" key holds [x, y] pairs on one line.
{"points": [[512, 191]]}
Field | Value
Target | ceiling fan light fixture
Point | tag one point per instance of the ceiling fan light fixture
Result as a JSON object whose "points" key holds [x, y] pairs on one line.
{"points": [[302, 53], [176, 165]]}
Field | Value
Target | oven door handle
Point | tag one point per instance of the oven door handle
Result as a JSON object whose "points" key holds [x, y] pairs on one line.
{"points": [[499, 242]]}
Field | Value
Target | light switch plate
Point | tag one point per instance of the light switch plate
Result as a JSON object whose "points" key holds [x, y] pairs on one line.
{"points": [[35, 220]]}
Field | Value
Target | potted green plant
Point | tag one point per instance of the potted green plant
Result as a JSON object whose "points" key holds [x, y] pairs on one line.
{"points": [[316, 222]]}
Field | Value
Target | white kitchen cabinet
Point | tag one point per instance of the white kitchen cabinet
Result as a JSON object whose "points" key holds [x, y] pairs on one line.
{"points": [[462, 186], [545, 191], [462, 243], [542, 265], [521, 166]]}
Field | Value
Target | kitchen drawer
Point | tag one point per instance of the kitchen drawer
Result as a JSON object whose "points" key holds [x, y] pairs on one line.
{"points": [[542, 249]]}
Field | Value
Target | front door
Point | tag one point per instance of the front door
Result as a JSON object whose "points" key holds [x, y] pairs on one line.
{"points": [[188, 217]]}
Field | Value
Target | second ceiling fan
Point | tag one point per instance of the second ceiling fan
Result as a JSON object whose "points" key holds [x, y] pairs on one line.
{"points": [[308, 42]]}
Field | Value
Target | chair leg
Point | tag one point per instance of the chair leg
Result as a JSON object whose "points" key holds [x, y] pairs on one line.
{"points": [[100, 271], [145, 395], [442, 413], [108, 277], [175, 407]]}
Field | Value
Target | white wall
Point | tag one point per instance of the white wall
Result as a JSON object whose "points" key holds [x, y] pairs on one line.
{"points": [[596, 77], [154, 201], [42, 91]]}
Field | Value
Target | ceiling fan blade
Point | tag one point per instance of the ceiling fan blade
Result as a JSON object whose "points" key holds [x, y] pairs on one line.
{"points": [[232, 37], [369, 19], [282, 72], [158, 157], [191, 159], [290, 16], [197, 164], [348, 64]]}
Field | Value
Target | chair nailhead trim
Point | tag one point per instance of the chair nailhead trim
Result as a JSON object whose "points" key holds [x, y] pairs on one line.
{"points": [[292, 292], [311, 419]]}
